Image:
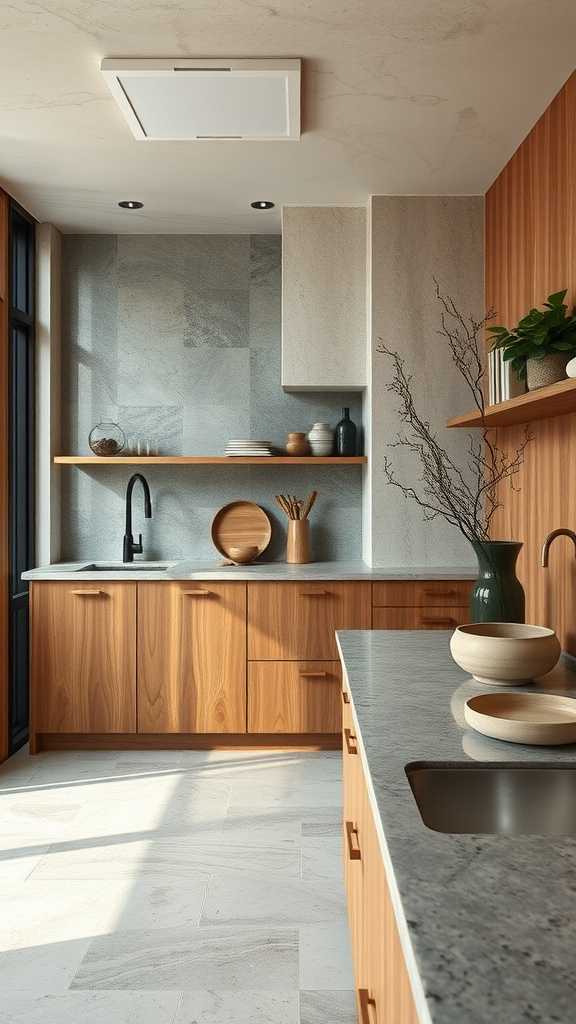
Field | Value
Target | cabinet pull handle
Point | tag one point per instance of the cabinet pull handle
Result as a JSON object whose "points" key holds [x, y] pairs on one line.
{"points": [[314, 675], [196, 593], [438, 622], [314, 593], [345, 697], [350, 741], [440, 593], [367, 1007], [354, 851], [88, 593]]}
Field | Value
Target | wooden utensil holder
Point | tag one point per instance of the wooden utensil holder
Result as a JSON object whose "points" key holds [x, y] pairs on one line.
{"points": [[298, 546]]}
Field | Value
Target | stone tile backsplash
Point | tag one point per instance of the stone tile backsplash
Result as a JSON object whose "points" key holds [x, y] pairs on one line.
{"points": [[177, 338]]}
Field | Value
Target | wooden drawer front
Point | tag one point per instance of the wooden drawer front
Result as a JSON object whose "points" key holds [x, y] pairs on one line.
{"points": [[83, 644], [294, 696], [419, 618], [297, 621], [191, 657], [422, 594]]}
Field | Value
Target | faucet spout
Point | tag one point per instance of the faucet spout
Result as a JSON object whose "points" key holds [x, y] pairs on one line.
{"points": [[130, 546], [561, 532]]}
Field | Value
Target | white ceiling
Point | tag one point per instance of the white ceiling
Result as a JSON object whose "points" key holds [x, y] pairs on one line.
{"points": [[399, 96]]}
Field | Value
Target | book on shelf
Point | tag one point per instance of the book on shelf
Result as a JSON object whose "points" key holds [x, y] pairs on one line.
{"points": [[503, 382]]}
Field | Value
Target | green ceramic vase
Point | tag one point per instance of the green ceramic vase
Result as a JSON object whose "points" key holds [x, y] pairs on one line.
{"points": [[498, 595]]}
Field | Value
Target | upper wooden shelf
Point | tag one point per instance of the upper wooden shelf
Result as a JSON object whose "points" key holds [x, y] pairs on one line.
{"points": [[209, 460], [553, 400]]}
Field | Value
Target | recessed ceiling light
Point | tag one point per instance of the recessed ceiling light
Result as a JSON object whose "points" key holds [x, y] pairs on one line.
{"points": [[131, 204], [262, 204]]}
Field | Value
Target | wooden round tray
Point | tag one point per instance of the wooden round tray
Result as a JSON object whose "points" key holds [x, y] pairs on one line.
{"points": [[241, 524], [539, 719]]}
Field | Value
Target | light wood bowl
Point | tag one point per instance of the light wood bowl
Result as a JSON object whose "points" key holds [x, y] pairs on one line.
{"points": [[540, 719], [243, 555], [505, 653]]}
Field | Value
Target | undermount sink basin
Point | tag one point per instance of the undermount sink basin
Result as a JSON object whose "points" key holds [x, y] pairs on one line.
{"points": [[126, 567], [515, 800]]}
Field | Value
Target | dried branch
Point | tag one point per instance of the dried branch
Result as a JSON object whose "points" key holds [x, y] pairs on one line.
{"points": [[465, 498]]}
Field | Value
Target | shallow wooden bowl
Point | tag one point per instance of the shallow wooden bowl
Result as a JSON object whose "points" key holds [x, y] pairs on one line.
{"points": [[243, 555], [505, 653]]}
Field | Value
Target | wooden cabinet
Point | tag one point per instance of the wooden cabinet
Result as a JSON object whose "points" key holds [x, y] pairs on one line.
{"points": [[419, 618], [83, 640], [420, 604], [294, 697], [384, 992], [422, 593], [191, 657], [297, 621]]}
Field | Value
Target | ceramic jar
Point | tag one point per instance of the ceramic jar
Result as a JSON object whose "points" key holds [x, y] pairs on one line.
{"points": [[296, 444], [321, 439]]}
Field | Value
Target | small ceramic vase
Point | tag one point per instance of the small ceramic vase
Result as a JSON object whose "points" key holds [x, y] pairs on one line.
{"points": [[321, 439], [296, 444], [346, 435]]}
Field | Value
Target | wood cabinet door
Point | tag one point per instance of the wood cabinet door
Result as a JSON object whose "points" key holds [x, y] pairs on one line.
{"points": [[421, 593], [352, 842], [384, 991], [294, 697], [297, 621], [83, 663], [191, 657], [419, 618]]}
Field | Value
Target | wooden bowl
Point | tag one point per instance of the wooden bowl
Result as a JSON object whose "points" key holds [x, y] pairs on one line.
{"points": [[542, 719], [243, 555], [505, 653]]}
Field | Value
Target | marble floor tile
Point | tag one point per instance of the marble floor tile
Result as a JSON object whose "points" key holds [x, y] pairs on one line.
{"points": [[36, 912], [328, 1008], [20, 854], [322, 858], [183, 958], [238, 1008], [129, 855], [272, 902], [48, 967], [285, 793], [325, 958], [91, 1008], [288, 821]]}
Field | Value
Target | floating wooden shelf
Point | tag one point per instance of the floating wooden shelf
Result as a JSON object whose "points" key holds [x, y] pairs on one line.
{"points": [[209, 460], [553, 400]]}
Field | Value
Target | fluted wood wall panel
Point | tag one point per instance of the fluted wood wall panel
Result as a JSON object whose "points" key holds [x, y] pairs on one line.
{"points": [[530, 252]]}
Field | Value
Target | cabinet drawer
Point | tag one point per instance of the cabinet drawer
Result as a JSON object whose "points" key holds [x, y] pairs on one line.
{"points": [[294, 697], [297, 621], [422, 593], [419, 618], [83, 657]]}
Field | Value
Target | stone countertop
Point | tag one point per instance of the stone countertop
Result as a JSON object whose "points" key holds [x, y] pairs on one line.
{"points": [[487, 922], [260, 571]]}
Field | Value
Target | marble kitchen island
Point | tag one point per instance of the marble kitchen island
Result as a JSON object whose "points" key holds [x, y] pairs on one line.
{"points": [[485, 922]]}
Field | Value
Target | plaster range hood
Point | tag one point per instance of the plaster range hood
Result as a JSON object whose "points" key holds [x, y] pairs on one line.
{"points": [[205, 100]]}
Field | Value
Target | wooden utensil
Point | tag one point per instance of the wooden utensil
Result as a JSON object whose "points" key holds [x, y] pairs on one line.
{"points": [[241, 524], [539, 719], [295, 508]]}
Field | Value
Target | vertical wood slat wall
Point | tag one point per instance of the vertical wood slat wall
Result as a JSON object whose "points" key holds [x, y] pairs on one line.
{"points": [[531, 252], [4, 474]]}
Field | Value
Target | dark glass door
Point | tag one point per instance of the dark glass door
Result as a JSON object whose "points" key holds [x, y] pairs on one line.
{"points": [[21, 512]]}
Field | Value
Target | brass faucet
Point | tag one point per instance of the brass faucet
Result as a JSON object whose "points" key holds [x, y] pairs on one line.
{"points": [[562, 532]]}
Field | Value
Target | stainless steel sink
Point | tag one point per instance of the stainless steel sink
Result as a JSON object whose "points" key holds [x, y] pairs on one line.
{"points": [[515, 800], [126, 567]]}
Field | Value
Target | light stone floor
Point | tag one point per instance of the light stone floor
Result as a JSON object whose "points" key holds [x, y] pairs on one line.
{"points": [[176, 887]]}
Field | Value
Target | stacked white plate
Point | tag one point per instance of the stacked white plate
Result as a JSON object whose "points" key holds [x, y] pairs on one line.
{"points": [[248, 448]]}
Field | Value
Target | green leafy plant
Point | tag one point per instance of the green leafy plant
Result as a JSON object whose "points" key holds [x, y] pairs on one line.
{"points": [[542, 332]]}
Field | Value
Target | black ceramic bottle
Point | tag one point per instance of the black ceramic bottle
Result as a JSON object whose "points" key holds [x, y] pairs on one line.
{"points": [[346, 435]]}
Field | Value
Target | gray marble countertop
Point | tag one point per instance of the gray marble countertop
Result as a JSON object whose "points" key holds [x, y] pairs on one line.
{"points": [[488, 923], [275, 571]]}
